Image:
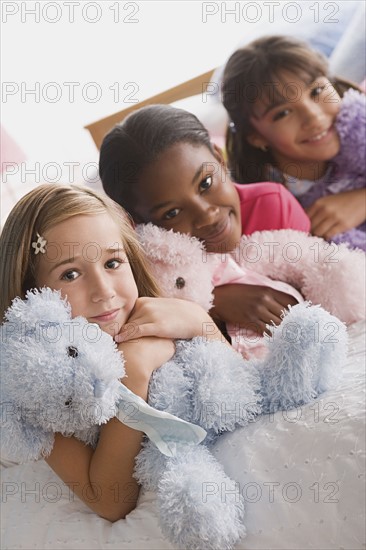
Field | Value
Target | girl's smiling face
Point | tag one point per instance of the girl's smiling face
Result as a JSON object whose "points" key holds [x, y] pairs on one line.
{"points": [[299, 130], [187, 189], [85, 260]]}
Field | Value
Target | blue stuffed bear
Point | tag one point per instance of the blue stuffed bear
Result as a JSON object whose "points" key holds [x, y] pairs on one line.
{"points": [[62, 375]]}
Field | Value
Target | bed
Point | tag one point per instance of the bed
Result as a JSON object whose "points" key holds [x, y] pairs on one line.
{"points": [[302, 474]]}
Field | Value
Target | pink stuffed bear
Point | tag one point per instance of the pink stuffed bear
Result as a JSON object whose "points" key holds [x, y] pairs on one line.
{"points": [[327, 274]]}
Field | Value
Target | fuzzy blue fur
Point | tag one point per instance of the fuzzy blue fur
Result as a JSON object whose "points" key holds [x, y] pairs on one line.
{"points": [[45, 386], [205, 382]]}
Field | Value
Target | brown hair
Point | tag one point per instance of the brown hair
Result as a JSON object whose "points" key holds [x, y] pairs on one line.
{"points": [[43, 208], [248, 75]]}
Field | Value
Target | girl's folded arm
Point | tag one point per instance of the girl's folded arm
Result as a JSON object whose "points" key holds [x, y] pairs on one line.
{"points": [[101, 478], [335, 214]]}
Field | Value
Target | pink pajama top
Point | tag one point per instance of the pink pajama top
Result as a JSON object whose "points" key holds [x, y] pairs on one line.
{"points": [[269, 206]]}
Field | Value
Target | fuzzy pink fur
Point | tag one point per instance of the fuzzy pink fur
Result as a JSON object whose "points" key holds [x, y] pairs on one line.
{"points": [[327, 274], [173, 256]]}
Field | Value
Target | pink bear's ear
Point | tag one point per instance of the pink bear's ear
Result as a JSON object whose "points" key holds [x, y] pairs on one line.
{"points": [[168, 246], [180, 264], [21, 441]]}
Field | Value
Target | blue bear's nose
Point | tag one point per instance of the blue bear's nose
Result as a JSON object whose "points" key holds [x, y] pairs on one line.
{"points": [[99, 388], [72, 352]]}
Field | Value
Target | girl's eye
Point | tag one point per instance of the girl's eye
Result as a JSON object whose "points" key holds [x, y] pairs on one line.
{"points": [[114, 263], [281, 114], [171, 214], [70, 275], [206, 183], [317, 91]]}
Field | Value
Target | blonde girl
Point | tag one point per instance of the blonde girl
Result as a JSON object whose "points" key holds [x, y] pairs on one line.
{"points": [[73, 240]]}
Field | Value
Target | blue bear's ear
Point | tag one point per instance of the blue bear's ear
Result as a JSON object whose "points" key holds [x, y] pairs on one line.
{"points": [[20, 441]]}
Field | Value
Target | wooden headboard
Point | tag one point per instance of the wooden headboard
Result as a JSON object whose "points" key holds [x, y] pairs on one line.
{"points": [[189, 88]]}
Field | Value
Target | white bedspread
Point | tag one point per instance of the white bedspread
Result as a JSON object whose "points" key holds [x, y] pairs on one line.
{"points": [[302, 474]]}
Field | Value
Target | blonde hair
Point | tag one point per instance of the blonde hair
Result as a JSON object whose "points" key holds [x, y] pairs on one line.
{"points": [[43, 208]]}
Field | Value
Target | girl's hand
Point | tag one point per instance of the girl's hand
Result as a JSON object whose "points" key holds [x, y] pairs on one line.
{"points": [[168, 318], [250, 306], [337, 213]]}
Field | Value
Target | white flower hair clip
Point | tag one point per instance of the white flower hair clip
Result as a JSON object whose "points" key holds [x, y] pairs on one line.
{"points": [[39, 244]]}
